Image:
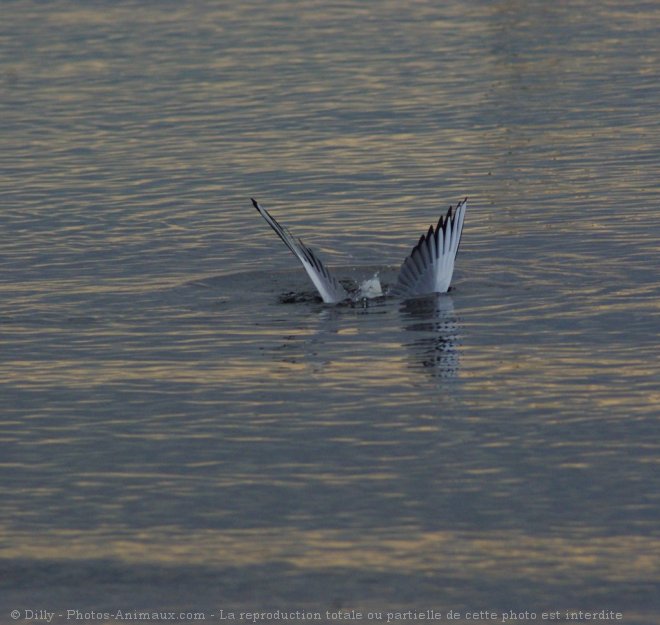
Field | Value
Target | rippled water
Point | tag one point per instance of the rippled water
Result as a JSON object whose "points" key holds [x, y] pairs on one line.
{"points": [[178, 432]]}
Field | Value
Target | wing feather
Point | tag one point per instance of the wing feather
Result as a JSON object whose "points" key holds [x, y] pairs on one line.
{"points": [[328, 287], [430, 265]]}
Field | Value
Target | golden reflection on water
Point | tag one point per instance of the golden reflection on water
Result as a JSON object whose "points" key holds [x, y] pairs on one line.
{"points": [[136, 135], [488, 554]]}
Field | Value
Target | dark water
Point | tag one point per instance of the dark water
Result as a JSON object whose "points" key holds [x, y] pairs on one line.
{"points": [[175, 437]]}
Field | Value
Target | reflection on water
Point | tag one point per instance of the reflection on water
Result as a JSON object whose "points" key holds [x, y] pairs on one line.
{"points": [[437, 349], [432, 318], [167, 417]]}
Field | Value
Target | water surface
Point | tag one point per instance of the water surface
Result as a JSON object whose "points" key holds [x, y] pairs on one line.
{"points": [[176, 436]]}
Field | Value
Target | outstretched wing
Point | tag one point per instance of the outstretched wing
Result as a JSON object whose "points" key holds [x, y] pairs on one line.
{"points": [[430, 266], [328, 287]]}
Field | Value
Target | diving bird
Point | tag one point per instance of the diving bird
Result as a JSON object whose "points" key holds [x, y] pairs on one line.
{"points": [[428, 269]]}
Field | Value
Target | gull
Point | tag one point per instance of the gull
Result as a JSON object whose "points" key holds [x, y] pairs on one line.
{"points": [[427, 269]]}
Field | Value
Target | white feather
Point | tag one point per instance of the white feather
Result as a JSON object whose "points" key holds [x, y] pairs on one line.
{"points": [[428, 268], [326, 284]]}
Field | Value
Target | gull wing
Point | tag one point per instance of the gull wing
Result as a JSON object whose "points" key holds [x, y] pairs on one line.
{"points": [[430, 266], [326, 284]]}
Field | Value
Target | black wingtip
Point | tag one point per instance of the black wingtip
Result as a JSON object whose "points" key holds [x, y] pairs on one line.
{"points": [[254, 203]]}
